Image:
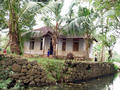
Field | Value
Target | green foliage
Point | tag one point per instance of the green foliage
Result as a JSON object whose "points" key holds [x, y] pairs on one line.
{"points": [[4, 74], [52, 66], [4, 77], [52, 13], [4, 83], [23, 12], [116, 67], [55, 68], [3, 41], [82, 23], [116, 57], [108, 5]]}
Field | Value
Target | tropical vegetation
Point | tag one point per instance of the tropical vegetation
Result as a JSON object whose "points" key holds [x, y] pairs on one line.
{"points": [[98, 22]]}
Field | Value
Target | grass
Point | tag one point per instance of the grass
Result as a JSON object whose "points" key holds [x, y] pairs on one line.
{"points": [[46, 61], [53, 67]]}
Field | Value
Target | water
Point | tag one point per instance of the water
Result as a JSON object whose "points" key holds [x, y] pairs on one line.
{"points": [[111, 82]]}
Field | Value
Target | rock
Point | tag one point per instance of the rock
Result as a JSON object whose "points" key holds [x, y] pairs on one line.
{"points": [[19, 61], [31, 78], [24, 67], [2, 62], [22, 78], [9, 62], [37, 80], [24, 70], [26, 81], [16, 68], [31, 72], [15, 76], [32, 83], [28, 76], [34, 63], [21, 74]]}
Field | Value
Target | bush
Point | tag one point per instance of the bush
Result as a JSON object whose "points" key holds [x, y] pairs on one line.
{"points": [[55, 68], [70, 56]]}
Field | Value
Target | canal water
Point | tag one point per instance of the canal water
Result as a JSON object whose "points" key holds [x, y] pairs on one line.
{"points": [[111, 82]]}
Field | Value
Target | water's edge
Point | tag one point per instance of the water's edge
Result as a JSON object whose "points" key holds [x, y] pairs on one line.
{"points": [[102, 83]]}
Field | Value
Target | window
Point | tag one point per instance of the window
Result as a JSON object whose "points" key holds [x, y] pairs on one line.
{"points": [[41, 44], [64, 45], [32, 41], [75, 44]]}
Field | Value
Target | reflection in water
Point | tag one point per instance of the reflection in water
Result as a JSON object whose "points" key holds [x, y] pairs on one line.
{"points": [[104, 83]]}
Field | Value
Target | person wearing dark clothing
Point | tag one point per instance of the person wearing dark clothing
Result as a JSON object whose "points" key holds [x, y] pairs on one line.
{"points": [[48, 53], [95, 57]]}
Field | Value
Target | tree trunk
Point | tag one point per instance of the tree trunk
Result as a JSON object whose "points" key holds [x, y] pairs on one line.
{"points": [[102, 54], [55, 39], [14, 35], [15, 43], [110, 54], [54, 42], [87, 47]]}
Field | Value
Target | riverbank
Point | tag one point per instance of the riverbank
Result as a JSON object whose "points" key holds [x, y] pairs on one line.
{"points": [[43, 71]]}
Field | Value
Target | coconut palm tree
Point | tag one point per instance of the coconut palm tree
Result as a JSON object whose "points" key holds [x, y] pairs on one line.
{"points": [[52, 17], [82, 24]]}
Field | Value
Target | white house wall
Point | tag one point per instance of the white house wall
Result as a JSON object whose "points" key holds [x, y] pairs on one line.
{"points": [[47, 44], [69, 48], [36, 49]]}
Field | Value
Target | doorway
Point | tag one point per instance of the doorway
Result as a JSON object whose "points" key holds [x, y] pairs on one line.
{"points": [[51, 47]]}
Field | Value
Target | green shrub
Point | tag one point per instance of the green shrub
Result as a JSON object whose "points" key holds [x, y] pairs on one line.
{"points": [[55, 68], [116, 67], [4, 83]]}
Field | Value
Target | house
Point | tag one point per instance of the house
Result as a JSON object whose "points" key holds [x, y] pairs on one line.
{"points": [[40, 42]]}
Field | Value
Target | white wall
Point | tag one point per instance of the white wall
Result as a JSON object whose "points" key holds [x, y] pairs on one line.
{"points": [[36, 49], [69, 48]]}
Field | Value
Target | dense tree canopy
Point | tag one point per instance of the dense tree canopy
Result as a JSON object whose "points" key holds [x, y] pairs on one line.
{"points": [[18, 16]]}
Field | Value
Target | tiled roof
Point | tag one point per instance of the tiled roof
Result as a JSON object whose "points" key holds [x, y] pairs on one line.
{"points": [[47, 30], [41, 31]]}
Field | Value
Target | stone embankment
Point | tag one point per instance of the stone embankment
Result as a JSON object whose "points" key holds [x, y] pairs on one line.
{"points": [[27, 73], [76, 71], [33, 74]]}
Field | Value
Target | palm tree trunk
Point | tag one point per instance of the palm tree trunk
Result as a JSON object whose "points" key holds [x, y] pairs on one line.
{"points": [[55, 39], [14, 35], [102, 54], [54, 42], [87, 47], [110, 54], [14, 39], [14, 44]]}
